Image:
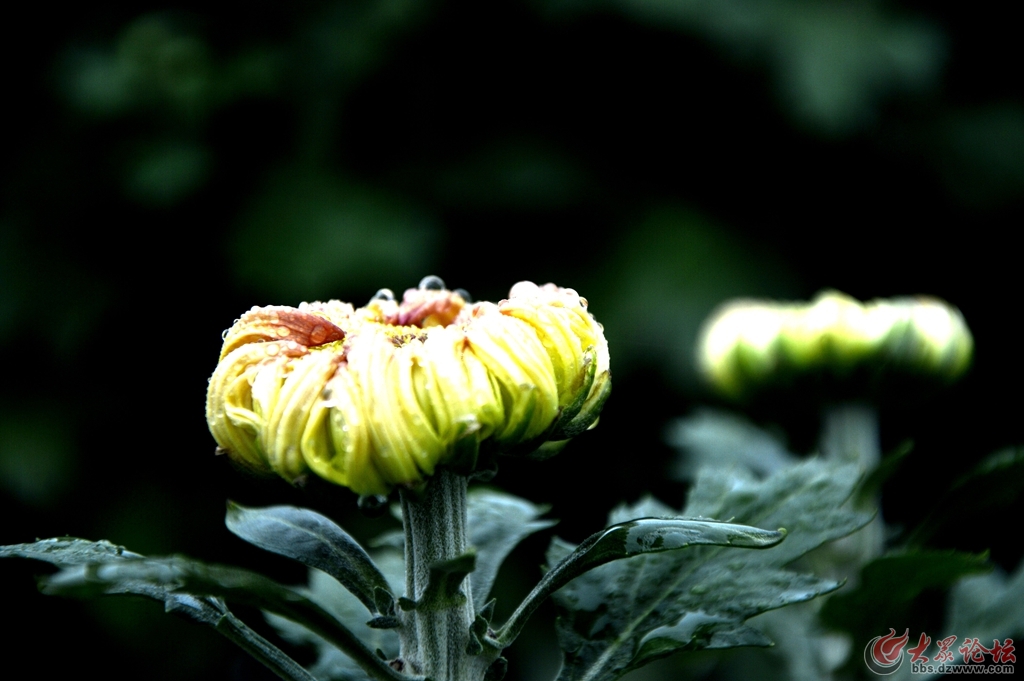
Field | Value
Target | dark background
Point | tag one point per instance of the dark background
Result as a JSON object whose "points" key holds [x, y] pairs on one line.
{"points": [[165, 169]]}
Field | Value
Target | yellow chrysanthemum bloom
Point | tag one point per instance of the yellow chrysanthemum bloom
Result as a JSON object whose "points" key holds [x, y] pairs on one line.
{"points": [[378, 396], [747, 344]]}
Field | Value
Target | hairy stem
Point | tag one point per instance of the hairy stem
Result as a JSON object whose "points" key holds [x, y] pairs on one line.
{"points": [[437, 632]]}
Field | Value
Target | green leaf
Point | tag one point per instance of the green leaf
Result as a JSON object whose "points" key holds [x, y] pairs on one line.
{"points": [[324, 590], [191, 578], [871, 486], [801, 650], [445, 582], [632, 538], [497, 522], [992, 486], [67, 551], [985, 607], [74, 554], [725, 440], [889, 585], [988, 606], [808, 499], [316, 541], [625, 614], [80, 557]]}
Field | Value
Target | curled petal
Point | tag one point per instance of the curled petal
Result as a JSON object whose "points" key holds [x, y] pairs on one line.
{"points": [[518, 362], [379, 396], [405, 443], [278, 323], [300, 390], [577, 347], [336, 442], [234, 420]]}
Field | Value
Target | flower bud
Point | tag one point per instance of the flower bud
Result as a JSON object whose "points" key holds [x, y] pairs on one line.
{"points": [[747, 345], [379, 396]]}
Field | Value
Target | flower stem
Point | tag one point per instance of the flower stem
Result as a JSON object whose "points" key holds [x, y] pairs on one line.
{"points": [[436, 635], [849, 433]]}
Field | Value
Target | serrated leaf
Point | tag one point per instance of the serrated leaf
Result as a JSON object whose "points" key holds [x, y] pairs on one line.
{"points": [[80, 557], [626, 613], [682, 635], [316, 541], [497, 522], [807, 499], [631, 538]]}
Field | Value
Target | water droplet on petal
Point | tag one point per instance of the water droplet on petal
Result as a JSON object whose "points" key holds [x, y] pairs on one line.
{"points": [[464, 294], [385, 294], [431, 283]]}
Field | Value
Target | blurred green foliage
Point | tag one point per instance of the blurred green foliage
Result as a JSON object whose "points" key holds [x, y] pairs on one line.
{"points": [[831, 63], [168, 167], [37, 458], [310, 233]]}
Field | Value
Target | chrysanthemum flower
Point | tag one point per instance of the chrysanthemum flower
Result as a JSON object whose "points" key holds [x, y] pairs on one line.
{"points": [[748, 344], [378, 396]]}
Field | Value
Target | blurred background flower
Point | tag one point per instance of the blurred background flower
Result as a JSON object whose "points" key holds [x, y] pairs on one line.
{"points": [[168, 166]]}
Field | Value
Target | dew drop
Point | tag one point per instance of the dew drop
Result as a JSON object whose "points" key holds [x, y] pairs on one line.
{"points": [[386, 294], [373, 505], [431, 283], [464, 294]]}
